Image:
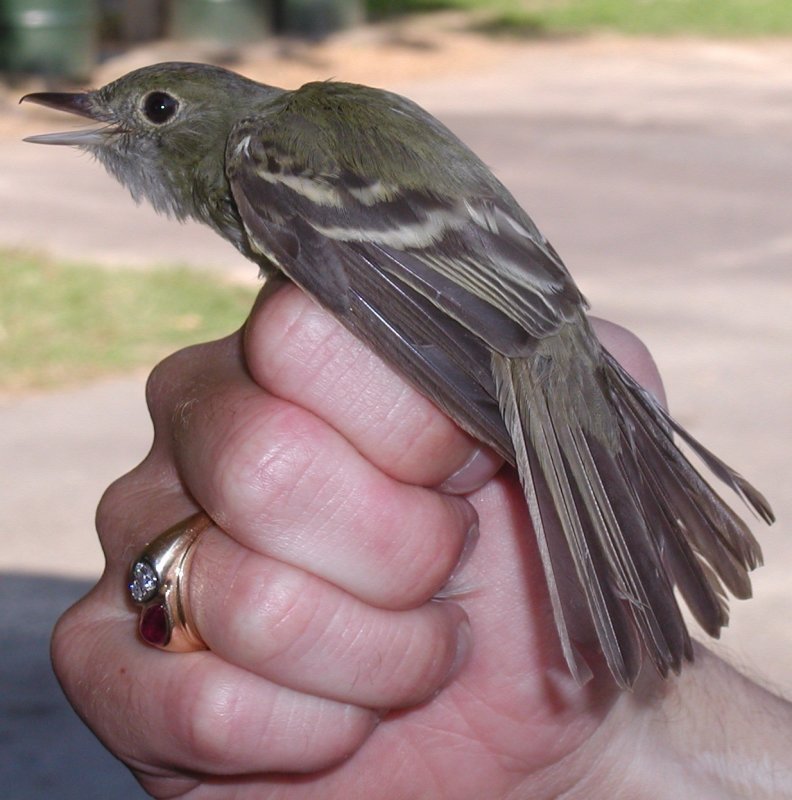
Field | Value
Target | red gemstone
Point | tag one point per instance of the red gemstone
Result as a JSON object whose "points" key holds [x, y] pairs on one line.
{"points": [[154, 627]]}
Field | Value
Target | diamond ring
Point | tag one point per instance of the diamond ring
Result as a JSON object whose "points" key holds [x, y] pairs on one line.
{"points": [[157, 584]]}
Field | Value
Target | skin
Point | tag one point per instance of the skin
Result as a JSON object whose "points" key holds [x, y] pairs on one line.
{"points": [[339, 522]]}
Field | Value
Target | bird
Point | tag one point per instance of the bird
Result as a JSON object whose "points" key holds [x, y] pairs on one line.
{"points": [[390, 222]]}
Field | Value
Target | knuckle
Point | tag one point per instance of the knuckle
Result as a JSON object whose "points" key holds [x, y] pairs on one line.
{"points": [[280, 607], [439, 649], [205, 712], [420, 435], [413, 440], [420, 666], [78, 644], [156, 383], [123, 505], [424, 556], [227, 724], [298, 339], [62, 649], [268, 459], [181, 380], [133, 504], [164, 376], [113, 506]]}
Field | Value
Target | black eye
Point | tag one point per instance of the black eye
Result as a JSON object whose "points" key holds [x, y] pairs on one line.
{"points": [[159, 107]]}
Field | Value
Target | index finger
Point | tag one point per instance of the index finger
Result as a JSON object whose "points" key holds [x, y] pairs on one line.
{"points": [[299, 352]]}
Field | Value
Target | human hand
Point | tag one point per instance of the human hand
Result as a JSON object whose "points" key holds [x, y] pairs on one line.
{"points": [[320, 468]]}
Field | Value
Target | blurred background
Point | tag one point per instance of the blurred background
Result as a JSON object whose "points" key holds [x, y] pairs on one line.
{"points": [[651, 140]]}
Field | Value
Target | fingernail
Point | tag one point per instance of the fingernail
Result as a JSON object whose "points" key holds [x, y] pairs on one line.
{"points": [[463, 647], [471, 540], [474, 473]]}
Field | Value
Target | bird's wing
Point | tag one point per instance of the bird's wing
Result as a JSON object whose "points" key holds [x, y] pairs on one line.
{"points": [[375, 223], [407, 197]]}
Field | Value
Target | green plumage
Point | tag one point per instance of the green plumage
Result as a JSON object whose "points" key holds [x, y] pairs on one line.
{"points": [[342, 128]]}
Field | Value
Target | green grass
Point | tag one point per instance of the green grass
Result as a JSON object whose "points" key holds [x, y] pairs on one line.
{"points": [[706, 17], [663, 17], [63, 323]]}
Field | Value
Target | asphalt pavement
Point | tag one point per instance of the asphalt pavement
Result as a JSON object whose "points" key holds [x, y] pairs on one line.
{"points": [[662, 172]]}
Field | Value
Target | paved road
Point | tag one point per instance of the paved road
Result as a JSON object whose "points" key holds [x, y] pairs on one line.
{"points": [[663, 179]]}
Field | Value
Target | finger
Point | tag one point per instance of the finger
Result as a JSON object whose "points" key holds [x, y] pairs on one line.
{"points": [[138, 506], [299, 631], [178, 380], [395, 562], [299, 352], [155, 484], [192, 712], [632, 354], [151, 497], [284, 484]]}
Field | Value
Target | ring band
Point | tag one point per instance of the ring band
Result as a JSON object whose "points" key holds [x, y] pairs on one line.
{"points": [[157, 584]]}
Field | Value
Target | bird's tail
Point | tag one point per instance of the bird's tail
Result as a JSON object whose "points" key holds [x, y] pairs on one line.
{"points": [[621, 515]]}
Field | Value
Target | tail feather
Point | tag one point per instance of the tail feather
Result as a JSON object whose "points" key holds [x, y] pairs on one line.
{"points": [[541, 506], [714, 528], [593, 563], [576, 568], [689, 518], [619, 511], [636, 555], [699, 584], [751, 496], [687, 545]]}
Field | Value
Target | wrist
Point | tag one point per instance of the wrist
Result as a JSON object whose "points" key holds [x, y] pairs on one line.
{"points": [[709, 733], [655, 740]]}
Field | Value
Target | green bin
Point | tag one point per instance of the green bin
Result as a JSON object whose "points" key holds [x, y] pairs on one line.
{"points": [[54, 38], [320, 17], [231, 21]]}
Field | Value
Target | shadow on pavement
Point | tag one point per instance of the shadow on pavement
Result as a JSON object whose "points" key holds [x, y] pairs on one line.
{"points": [[45, 750]]}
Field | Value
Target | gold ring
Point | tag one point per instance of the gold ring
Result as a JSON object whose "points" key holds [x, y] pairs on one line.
{"points": [[157, 584]]}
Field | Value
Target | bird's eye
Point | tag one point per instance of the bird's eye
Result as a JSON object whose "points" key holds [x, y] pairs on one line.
{"points": [[159, 107]]}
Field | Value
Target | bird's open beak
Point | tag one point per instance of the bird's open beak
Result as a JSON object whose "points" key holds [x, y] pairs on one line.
{"points": [[80, 103]]}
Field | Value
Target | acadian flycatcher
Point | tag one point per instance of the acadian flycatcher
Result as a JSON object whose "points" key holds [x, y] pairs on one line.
{"points": [[390, 222]]}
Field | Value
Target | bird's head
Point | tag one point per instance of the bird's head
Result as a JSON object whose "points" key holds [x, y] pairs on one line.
{"points": [[162, 130]]}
